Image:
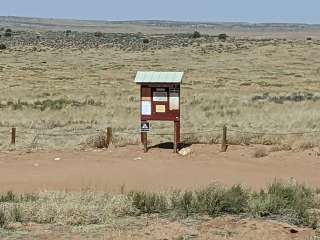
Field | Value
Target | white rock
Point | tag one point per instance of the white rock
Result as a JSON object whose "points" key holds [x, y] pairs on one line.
{"points": [[137, 159], [185, 151], [57, 159]]}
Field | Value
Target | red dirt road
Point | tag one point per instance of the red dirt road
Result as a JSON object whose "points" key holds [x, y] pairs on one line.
{"points": [[159, 169]]}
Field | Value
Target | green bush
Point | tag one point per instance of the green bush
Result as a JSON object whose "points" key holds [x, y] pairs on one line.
{"points": [[3, 219], [149, 202], [290, 201], [8, 32], [145, 40], [187, 203], [235, 200], [196, 34], [98, 34], [68, 32], [16, 214], [8, 197], [222, 36], [216, 200]]}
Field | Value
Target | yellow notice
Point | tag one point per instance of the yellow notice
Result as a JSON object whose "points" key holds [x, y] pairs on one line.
{"points": [[160, 108]]}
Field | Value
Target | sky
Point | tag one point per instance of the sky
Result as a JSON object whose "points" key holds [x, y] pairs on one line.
{"points": [[255, 11]]}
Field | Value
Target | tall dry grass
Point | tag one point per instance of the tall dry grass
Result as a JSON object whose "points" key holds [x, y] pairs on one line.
{"points": [[92, 89]]}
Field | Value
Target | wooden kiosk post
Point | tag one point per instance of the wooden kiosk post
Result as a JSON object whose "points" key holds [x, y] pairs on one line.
{"points": [[159, 101]]}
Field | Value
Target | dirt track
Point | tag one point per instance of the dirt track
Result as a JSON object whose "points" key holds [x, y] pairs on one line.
{"points": [[159, 169]]}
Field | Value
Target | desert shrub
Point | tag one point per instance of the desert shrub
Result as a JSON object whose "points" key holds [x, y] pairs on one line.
{"points": [[290, 201], [3, 219], [308, 38], [68, 32], [3, 46], [235, 200], [149, 202], [216, 200], [8, 32], [145, 40], [213, 200], [8, 197], [16, 214], [187, 203], [98, 34], [196, 34], [260, 152], [293, 97], [222, 36]]}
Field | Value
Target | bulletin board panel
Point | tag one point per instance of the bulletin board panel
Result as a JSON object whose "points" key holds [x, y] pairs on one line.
{"points": [[164, 100]]}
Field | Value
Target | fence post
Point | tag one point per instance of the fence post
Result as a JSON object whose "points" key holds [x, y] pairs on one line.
{"points": [[13, 136], [224, 144], [109, 137]]}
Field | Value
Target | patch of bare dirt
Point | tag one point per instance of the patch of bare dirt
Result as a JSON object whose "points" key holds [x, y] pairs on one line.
{"points": [[160, 229]]}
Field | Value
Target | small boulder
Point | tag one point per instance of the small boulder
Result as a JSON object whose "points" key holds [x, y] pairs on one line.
{"points": [[185, 151]]}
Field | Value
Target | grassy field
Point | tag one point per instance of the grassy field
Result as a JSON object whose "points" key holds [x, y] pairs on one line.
{"points": [[262, 86], [60, 89]]}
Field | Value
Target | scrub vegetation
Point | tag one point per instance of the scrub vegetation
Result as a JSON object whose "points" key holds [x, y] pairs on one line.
{"points": [[260, 86], [292, 203]]}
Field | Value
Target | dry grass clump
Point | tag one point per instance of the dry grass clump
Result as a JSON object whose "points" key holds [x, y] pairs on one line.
{"points": [[260, 152], [289, 202], [98, 140], [67, 208]]}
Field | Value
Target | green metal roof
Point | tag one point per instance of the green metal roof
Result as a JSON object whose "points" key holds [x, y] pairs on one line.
{"points": [[159, 77]]}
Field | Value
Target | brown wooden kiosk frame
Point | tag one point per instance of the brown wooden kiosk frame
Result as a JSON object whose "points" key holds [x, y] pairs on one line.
{"points": [[160, 100]]}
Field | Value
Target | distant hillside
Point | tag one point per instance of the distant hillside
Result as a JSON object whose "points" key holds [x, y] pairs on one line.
{"points": [[288, 30]]}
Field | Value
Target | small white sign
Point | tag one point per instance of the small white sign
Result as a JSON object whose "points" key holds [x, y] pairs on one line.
{"points": [[160, 96], [174, 101], [146, 108]]}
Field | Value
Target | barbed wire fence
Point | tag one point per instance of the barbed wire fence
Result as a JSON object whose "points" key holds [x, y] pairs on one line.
{"points": [[31, 137]]}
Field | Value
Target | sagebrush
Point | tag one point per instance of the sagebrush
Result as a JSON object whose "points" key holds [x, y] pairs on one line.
{"points": [[289, 202]]}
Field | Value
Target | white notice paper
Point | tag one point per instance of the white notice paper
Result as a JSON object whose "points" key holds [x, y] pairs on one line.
{"points": [[146, 108], [174, 101], [160, 96]]}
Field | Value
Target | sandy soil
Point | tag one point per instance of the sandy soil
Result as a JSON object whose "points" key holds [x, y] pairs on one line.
{"points": [[159, 169], [145, 228]]}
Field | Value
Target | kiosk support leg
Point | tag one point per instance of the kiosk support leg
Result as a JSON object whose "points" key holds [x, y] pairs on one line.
{"points": [[144, 137], [176, 141]]}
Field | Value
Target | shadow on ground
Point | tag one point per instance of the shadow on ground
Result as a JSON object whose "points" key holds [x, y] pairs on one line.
{"points": [[169, 145]]}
